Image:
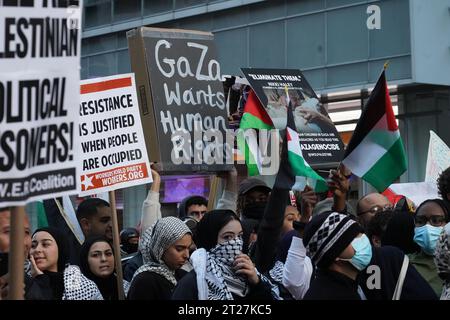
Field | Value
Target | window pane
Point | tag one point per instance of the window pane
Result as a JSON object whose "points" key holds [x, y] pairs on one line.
{"points": [[188, 3], [306, 41], [123, 62], [102, 65], [100, 44], [232, 50], [84, 68], [347, 41], [97, 15], [267, 38], [124, 10], [157, 6]]}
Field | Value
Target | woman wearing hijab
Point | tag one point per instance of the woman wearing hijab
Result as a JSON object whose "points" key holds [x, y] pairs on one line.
{"points": [[97, 264], [430, 219], [53, 277], [221, 271], [165, 249]]}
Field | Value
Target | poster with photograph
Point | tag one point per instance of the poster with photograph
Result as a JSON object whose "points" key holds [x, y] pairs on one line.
{"points": [[319, 139]]}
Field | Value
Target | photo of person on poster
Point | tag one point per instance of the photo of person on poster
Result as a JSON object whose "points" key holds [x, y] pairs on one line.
{"points": [[309, 114]]}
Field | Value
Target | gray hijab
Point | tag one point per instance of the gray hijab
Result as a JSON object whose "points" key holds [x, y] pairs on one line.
{"points": [[155, 241]]}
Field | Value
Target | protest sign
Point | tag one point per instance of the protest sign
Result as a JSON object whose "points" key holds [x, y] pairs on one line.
{"points": [[319, 139], [417, 192], [39, 96], [112, 147], [182, 104], [438, 158]]}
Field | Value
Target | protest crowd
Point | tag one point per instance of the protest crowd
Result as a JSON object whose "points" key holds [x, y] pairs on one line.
{"points": [[299, 238], [256, 244]]}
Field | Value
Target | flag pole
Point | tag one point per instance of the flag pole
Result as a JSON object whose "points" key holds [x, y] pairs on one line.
{"points": [[68, 222], [213, 192], [16, 257], [116, 245]]}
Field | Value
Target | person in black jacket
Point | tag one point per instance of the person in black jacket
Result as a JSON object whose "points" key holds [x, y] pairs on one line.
{"points": [[165, 249], [221, 271], [339, 250], [388, 261]]}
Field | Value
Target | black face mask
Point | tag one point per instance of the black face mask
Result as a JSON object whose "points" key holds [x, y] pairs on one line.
{"points": [[130, 247], [254, 210]]}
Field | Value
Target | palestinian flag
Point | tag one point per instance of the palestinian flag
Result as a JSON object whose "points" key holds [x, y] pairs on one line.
{"points": [[295, 173], [375, 152], [254, 117], [59, 213]]}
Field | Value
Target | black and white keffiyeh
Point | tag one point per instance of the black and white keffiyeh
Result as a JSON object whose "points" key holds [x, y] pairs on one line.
{"points": [[216, 279], [79, 287], [442, 260], [155, 241], [276, 273]]}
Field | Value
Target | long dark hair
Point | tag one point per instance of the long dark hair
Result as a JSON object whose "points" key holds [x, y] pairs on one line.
{"points": [[208, 228]]}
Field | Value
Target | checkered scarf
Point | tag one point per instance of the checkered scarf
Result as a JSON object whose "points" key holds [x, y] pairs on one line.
{"points": [[442, 260], [78, 287], [327, 235], [155, 241], [216, 279]]}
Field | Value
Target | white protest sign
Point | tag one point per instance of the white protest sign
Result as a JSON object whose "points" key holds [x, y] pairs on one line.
{"points": [[39, 98], [418, 192], [438, 158], [112, 145]]}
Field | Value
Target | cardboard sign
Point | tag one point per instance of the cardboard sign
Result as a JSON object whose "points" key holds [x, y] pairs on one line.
{"points": [[319, 139], [39, 95], [182, 104], [438, 158], [112, 147]]}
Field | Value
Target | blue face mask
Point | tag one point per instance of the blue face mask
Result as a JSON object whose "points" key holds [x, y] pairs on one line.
{"points": [[363, 253], [426, 237]]}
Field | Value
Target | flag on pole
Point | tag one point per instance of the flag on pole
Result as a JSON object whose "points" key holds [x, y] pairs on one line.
{"points": [[254, 117], [375, 152], [59, 213]]}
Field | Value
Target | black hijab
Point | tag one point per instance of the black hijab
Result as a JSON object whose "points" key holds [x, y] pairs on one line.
{"points": [[57, 278], [400, 233], [107, 286], [208, 228]]}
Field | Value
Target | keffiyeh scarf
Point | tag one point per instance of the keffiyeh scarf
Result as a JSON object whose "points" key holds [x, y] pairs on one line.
{"points": [[216, 279], [155, 241], [78, 287], [442, 260]]}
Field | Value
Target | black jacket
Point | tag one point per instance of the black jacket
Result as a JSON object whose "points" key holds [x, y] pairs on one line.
{"points": [[389, 260], [152, 286], [186, 289], [131, 265], [270, 229], [332, 285]]}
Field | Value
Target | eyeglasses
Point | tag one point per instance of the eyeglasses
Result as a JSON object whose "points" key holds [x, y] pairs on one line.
{"points": [[435, 220], [375, 209]]}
